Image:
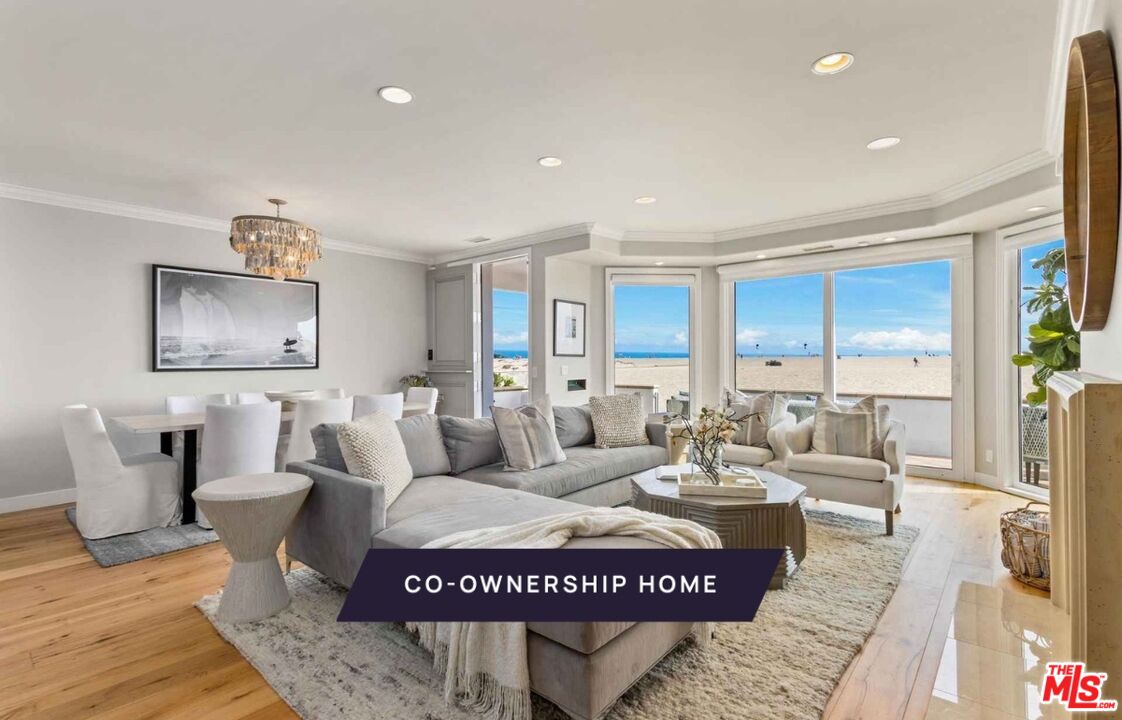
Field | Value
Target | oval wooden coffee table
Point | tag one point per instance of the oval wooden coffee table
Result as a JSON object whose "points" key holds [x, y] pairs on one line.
{"points": [[776, 521]]}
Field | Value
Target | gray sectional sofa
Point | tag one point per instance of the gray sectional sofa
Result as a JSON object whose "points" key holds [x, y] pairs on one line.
{"points": [[459, 484]]}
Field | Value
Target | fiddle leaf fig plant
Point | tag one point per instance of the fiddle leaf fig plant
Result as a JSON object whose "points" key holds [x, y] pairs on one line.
{"points": [[1053, 342]]}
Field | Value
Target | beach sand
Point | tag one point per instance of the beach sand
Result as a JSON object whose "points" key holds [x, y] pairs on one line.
{"points": [[856, 375]]}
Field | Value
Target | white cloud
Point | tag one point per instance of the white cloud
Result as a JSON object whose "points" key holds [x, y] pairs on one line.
{"points": [[791, 343], [681, 338], [902, 339], [500, 340], [750, 335]]}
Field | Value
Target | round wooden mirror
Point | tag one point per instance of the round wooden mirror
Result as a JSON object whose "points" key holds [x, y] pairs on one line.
{"points": [[1090, 179]]}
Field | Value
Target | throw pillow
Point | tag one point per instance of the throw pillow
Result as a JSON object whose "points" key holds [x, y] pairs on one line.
{"points": [[470, 442], [574, 426], [853, 430], [424, 445], [373, 449], [619, 421], [761, 412], [526, 435], [325, 437]]}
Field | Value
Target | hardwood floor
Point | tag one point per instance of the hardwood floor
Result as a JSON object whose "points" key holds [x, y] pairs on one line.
{"points": [[80, 641]]}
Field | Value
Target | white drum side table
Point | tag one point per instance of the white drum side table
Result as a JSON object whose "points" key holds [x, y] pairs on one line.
{"points": [[251, 514]]}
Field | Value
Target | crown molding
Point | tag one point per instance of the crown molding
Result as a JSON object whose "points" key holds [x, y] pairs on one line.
{"points": [[1073, 18], [168, 217], [994, 176], [518, 241]]}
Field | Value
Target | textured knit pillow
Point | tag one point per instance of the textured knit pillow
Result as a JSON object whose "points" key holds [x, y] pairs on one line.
{"points": [[373, 449], [853, 431], [527, 436], [760, 412], [619, 421]]}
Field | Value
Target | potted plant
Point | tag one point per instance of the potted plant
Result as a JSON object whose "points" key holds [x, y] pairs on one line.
{"points": [[707, 434], [1053, 340], [415, 381]]}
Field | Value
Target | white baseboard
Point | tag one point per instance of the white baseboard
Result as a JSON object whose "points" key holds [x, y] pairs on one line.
{"points": [[37, 500], [990, 481]]}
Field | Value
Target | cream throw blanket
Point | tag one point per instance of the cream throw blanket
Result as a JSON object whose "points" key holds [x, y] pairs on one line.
{"points": [[484, 663]]}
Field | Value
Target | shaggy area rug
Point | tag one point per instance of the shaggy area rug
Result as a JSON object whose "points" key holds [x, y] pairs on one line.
{"points": [[784, 664], [121, 549]]}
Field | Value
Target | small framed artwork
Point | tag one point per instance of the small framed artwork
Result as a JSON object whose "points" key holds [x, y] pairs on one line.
{"points": [[568, 328], [211, 320]]}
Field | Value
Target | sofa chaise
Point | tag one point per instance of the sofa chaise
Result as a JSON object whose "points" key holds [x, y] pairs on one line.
{"points": [[581, 667]]}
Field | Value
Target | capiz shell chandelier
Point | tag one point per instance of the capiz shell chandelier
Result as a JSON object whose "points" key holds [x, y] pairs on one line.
{"points": [[274, 246]]}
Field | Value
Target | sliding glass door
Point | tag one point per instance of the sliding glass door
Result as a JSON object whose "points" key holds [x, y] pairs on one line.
{"points": [[652, 338], [893, 329], [779, 338], [505, 329], [897, 329]]}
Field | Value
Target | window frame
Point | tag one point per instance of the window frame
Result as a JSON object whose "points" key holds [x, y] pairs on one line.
{"points": [[689, 277], [958, 249], [1011, 241]]}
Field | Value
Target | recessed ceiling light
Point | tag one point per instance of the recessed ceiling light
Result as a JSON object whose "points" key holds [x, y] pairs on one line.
{"points": [[832, 64], [889, 239], [761, 256], [883, 143], [549, 161], [1037, 208], [660, 262], [645, 200], [395, 95], [862, 243]]}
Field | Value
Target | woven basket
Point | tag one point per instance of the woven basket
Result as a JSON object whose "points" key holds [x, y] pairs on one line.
{"points": [[1025, 538]]}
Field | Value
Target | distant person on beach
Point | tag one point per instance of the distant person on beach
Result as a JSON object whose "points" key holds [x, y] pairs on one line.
{"points": [[916, 361]]}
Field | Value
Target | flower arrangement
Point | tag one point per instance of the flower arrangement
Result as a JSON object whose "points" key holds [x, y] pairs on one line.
{"points": [[415, 381], [708, 434]]}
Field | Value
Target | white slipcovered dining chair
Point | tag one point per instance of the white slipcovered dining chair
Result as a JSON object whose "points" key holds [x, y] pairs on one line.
{"points": [[298, 445], [425, 395], [184, 404], [117, 495], [242, 440], [252, 398], [392, 404], [328, 394]]}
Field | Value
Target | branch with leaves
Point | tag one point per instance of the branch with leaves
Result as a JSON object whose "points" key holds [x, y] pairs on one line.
{"points": [[707, 434], [1053, 340]]}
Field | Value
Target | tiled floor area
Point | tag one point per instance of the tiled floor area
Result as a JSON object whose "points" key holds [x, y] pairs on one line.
{"points": [[994, 657]]}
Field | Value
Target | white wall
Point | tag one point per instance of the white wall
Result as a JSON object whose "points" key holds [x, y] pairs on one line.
{"points": [[1102, 351], [569, 280], [76, 325], [989, 348]]}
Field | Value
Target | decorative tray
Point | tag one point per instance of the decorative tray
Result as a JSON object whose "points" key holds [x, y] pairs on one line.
{"points": [[743, 485]]}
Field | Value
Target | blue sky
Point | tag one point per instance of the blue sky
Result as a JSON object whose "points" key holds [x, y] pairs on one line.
{"points": [[511, 320], [896, 310]]}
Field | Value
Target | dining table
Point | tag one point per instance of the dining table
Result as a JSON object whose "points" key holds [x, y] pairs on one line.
{"points": [[189, 425], [167, 426]]}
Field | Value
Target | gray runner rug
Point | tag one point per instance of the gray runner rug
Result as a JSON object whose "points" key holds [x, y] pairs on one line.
{"points": [[121, 549]]}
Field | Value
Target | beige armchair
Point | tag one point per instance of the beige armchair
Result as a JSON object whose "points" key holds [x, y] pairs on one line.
{"points": [[855, 480], [764, 457]]}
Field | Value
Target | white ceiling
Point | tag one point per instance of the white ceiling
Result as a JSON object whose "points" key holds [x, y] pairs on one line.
{"points": [[210, 107]]}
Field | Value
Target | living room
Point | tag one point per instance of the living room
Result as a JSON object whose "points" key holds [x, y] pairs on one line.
{"points": [[828, 283]]}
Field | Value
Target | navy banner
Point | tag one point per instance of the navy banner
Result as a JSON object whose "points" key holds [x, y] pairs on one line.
{"points": [[564, 586]]}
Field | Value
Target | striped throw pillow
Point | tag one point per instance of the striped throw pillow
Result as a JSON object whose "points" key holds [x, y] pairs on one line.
{"points": [[853, 431], [526, 435]]}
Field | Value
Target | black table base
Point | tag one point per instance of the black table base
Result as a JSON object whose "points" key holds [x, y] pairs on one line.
{"points": [[190, 479]]}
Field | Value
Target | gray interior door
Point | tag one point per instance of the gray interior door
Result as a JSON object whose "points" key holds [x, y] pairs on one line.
{"points": [[454, 352]]}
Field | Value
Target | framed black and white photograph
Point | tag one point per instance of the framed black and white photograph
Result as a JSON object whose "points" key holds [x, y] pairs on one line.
{"points": [[210, 320], [568, 328]]}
